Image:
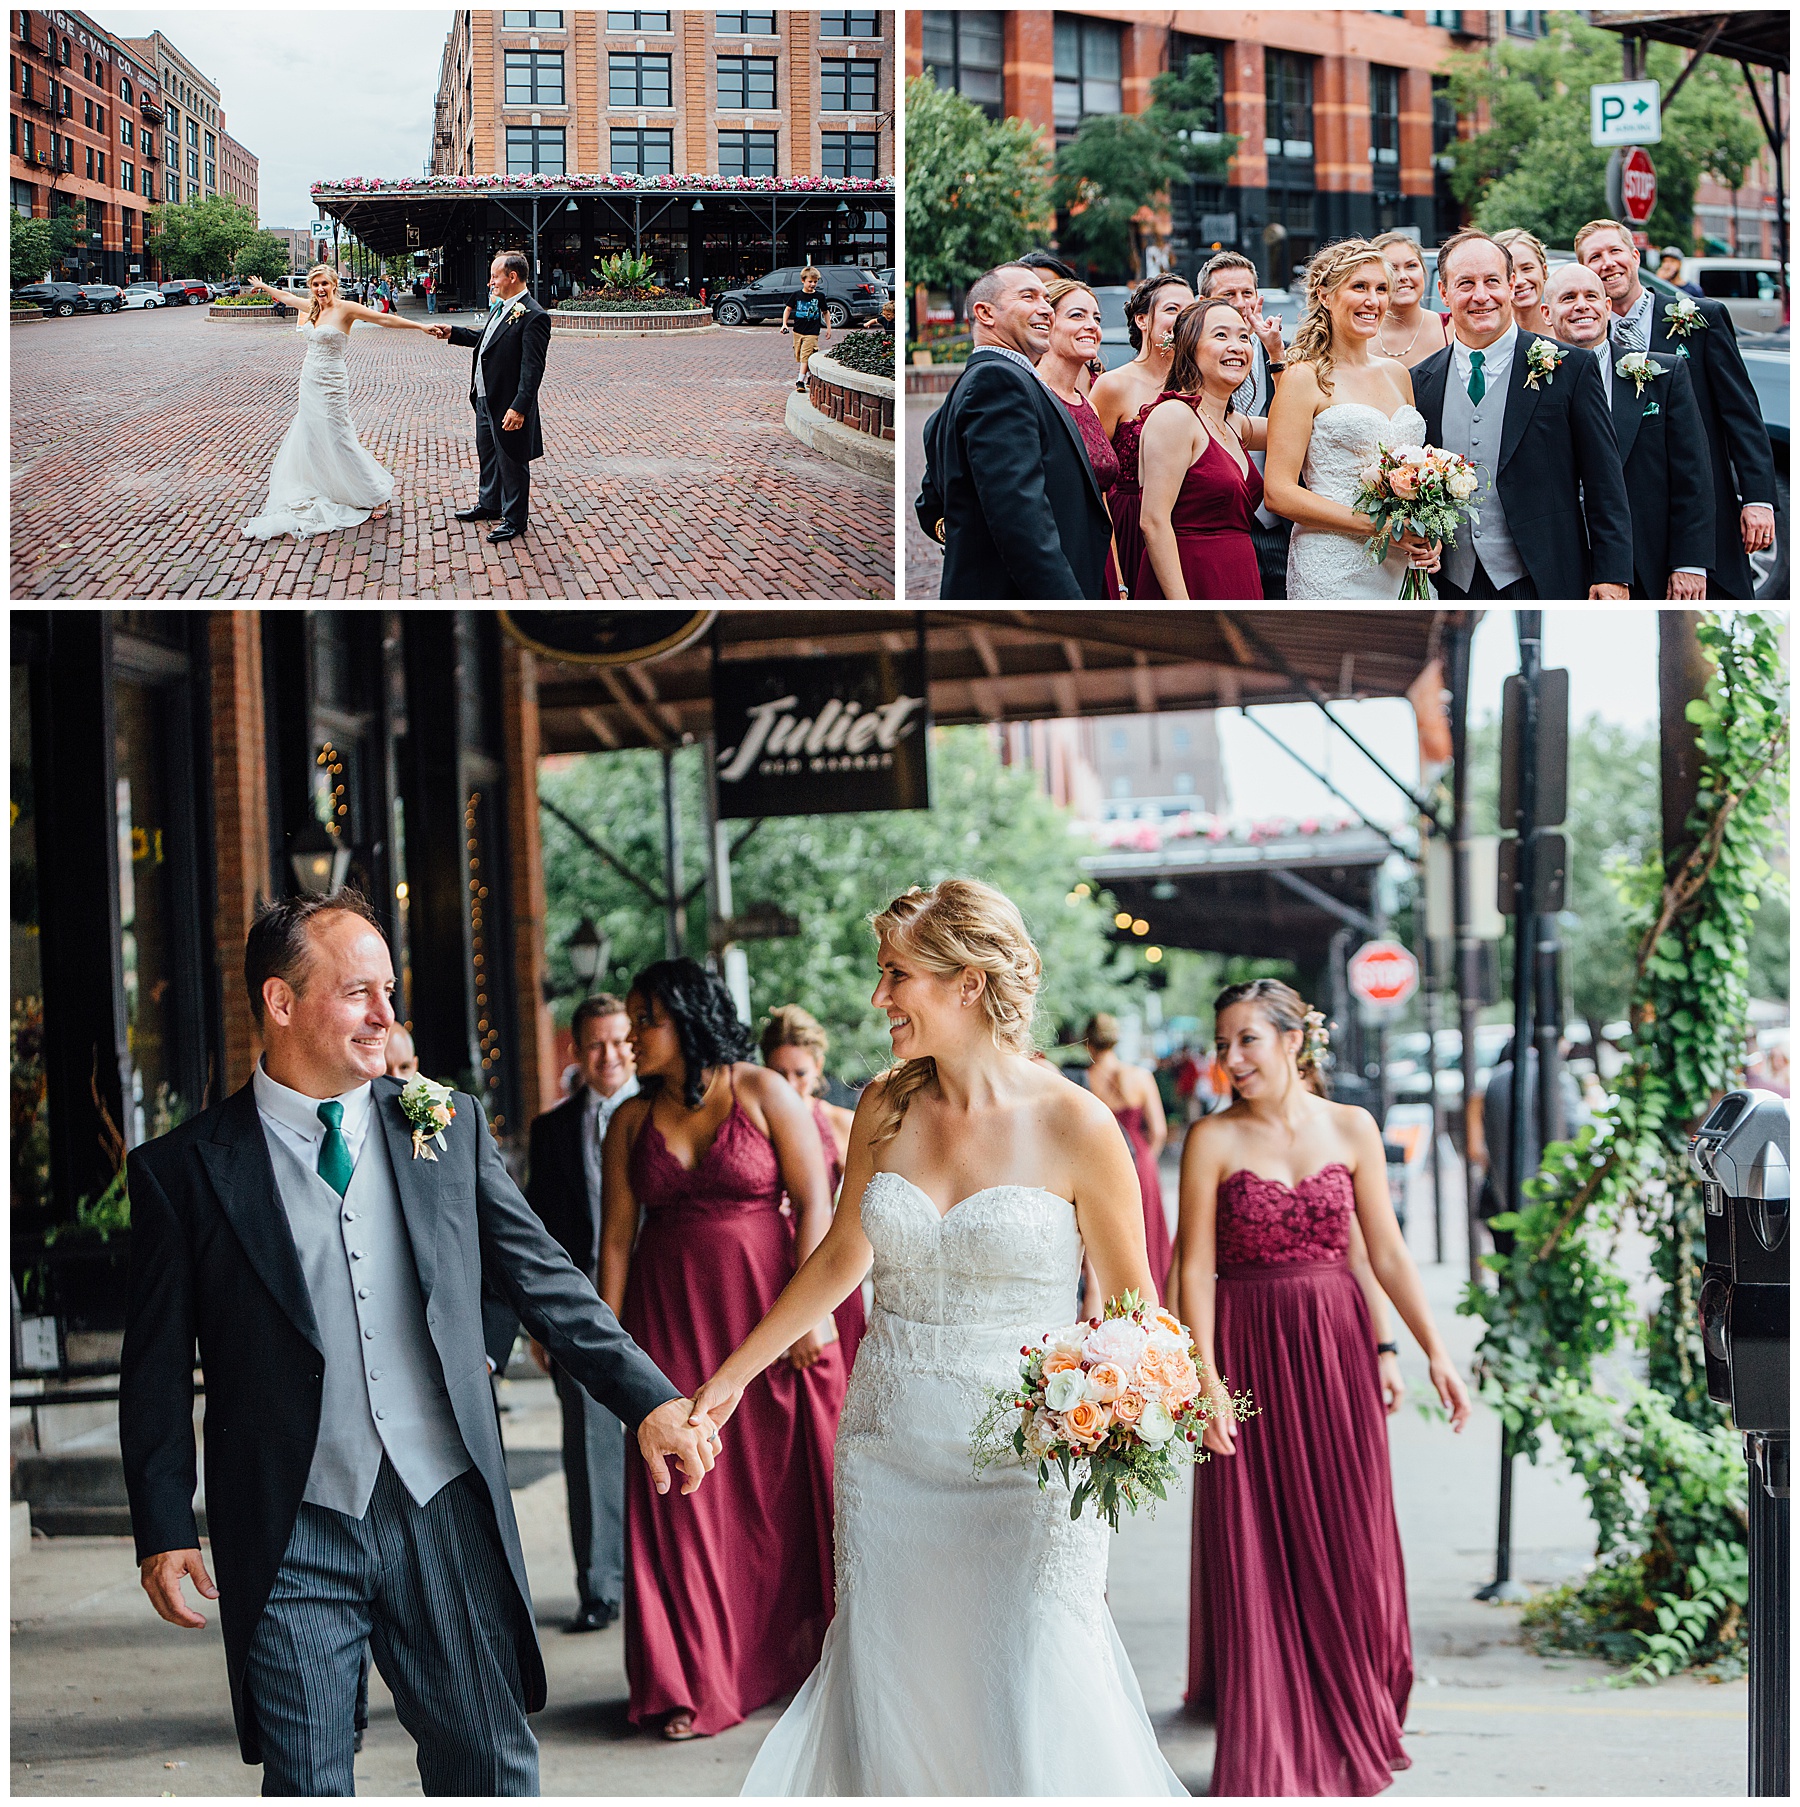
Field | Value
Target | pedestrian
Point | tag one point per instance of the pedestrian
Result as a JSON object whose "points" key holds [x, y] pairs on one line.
{"points": [[794, 1044], [807, 319], [1301, 1593], [402, 1057], [430, 293], [1671, 260], [1495, 1122], [727, 1607], [564, 1189], [1130, 1094]]}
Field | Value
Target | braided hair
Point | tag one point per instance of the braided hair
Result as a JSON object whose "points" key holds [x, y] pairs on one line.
{"points": [[706, 1021], [1325, 275], [1288, 1011]]}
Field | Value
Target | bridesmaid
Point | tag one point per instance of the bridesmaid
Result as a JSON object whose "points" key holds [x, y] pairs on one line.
{"points": [[1301, 1586], [1122, 398], [728, 1591], [1531, 271], [1409, 332], [1074, 339], [1131, 1095], [1201, 490], [794, 1044]]}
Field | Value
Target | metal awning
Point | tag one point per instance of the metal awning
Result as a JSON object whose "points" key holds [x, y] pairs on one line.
{"points": [[1759, 38], [1008, 665]]}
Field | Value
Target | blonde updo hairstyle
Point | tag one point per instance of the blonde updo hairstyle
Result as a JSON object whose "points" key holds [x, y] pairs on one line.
{"points": [[960, 924], [1287, 1011], [320, 270], [1325, 275], [1516, 238], [791, 1026]]}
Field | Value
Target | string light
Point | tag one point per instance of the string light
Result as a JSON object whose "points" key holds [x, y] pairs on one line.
{"points": [[488, 1031]]}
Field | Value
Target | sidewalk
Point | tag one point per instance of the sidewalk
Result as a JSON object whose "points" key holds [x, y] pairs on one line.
{"points": [[109, 1700]]}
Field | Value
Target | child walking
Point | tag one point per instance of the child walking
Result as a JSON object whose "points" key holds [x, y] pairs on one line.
{"points": [[806, 318]]}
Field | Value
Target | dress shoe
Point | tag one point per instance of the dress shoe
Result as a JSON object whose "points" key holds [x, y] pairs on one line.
{"points": [[593, 1617], [505, 531], [477, 514]]}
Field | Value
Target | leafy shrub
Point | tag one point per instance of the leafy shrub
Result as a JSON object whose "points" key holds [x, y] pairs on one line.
{"points": [[871, 352], [655, 301]]}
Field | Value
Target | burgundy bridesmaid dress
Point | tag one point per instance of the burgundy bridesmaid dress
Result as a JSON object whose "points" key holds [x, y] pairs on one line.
{"points": [[1126, 497], [852, 1320], [1301, 1592], [1211, 517], [1105, 462], [1156, 1225], [729, 1590]]}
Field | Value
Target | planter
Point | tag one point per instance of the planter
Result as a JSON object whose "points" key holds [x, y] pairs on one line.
{"points": [[863, 404], [569, 320], [934, 379]]}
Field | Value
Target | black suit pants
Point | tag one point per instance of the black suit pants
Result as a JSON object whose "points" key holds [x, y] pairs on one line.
{"points": [[505, 480], [1271, 545]]}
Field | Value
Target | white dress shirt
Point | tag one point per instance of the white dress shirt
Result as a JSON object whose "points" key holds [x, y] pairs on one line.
{"points": [[1496, 360], [295, 1119], [1006, 351]]}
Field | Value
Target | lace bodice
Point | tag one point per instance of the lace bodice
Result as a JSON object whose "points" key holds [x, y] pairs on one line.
{"points": [[738, 1172], [1269, 1221], [1327, 566]]}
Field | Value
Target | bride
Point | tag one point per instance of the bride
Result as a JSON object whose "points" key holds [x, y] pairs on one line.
{"points": [[322, 479], [972, 1652], [1338, 402]]}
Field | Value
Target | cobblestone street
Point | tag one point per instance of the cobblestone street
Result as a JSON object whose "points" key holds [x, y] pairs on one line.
{"points": [[141, 443]]}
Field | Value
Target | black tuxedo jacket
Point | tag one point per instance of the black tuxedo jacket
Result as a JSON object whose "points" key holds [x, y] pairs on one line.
{"points": [[1008, 476], [1557, 446], [557, 1186], [512, 369], [1662, 444], [1737, 442], [213, 1261]]}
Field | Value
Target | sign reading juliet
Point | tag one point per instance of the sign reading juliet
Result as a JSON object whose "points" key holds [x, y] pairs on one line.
{"points": [[803, 737]]}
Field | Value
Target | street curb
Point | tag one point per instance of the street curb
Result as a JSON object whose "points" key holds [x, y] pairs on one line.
{"points": [[842, 445]]}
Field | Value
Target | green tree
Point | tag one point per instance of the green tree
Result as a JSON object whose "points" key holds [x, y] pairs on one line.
{"points": [[977, 191], [1533, 167], [265, 256], [987, 821], [35, 245], [200, 238]]}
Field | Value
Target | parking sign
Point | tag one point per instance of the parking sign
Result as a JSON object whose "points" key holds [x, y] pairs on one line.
{"points": [[1625, 113]]}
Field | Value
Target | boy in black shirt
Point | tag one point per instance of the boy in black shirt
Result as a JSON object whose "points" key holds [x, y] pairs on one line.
{"points": [[807, 319]]}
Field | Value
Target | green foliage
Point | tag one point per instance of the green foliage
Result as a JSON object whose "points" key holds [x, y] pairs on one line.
{"points": [[201, 238], [977, 190], [264, 255], [97, 1217], [1718, 1590], [35, 246], [624, 271], [1533, 166], [871, 352]]}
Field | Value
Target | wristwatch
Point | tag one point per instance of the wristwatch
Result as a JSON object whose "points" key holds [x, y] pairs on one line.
{"points": [[1387, 1348], [1276, 369]]}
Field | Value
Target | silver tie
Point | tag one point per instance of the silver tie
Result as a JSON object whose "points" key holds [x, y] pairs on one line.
{"points": [[1243, 397], [1629, 333]]}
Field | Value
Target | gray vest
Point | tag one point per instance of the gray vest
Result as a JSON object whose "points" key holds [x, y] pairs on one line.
{"points": [[1476, 433], [384, 1386]]}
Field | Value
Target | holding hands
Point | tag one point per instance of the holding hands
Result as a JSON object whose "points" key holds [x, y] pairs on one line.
{"points": [[670, 1432]]}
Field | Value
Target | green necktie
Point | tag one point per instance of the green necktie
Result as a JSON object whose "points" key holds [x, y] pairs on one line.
{"points": [[335, 1164], [1477, 382]]}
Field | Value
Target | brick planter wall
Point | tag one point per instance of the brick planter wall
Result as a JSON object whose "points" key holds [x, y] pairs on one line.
{"points": [[291, 318], [932, 379], [865, 404], [568, 320]]}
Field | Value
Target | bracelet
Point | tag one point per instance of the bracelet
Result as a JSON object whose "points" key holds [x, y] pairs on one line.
{"points": [[1277, 369], [1387, 1348]]}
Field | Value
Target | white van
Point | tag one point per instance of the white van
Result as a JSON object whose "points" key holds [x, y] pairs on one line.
{"points": [[1750, 288]]}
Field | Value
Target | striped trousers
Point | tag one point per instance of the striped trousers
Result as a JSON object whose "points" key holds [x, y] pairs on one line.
{"points": [[429, 1589]]}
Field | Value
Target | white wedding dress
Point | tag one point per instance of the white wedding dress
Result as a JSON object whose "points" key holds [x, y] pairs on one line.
{"points": [[1335, 567], [321, 479], [972, 1652]]}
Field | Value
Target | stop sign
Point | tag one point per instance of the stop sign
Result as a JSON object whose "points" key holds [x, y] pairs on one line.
{"points": [[1637, 185], [1383, 972]]}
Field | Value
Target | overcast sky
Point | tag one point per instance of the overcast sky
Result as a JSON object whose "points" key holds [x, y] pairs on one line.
{"points": [[315, 95]]}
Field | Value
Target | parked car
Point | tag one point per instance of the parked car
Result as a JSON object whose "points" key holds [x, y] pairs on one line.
{"points": [[103, 297], [186, 292], [851, 293], [887, 279], [1750, 288], [143, 294], [59, 298]]}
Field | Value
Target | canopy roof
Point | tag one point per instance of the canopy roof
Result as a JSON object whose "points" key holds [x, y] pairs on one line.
{"points": [[999, 665], [1759, 38]]}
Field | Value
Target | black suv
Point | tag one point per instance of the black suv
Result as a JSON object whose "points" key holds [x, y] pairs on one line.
{"points": [[850, 294], [59, 298]]}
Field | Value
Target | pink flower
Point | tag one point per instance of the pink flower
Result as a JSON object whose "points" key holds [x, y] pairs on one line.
{"points": [[1404, 482], [1105, 1382], [1118, 1341], [1087, 1422], [1128, 1408]]}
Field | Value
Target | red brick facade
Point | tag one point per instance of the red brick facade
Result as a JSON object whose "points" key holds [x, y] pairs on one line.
{"points": [[857, 409]]}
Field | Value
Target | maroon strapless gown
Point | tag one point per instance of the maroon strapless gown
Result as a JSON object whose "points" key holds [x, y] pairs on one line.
{"points": [[852, 1320], [1301, 1591], [1126, 498], [1156, 1225], [1212, 516], [728, 1591], [1105, 462]]}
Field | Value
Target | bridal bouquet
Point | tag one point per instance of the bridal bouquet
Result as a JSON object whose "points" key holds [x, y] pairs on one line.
{"points": [[1421, 489], [1118, 1397]]}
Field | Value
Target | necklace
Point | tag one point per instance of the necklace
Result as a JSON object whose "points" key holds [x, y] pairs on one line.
{"points": [[1404, 349]]}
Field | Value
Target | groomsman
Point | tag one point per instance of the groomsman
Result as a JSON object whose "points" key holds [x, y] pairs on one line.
{"points": [[1532, 416], [1662, 445], [1230, 276], [1743, 467], [1008, 490]]}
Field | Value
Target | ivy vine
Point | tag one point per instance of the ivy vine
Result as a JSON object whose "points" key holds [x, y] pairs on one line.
{"points": [[1665, 1479]]}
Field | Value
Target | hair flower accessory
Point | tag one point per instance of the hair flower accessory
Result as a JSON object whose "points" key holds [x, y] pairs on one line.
{"points": [[1543, 360], [426, 1105], [1637, 366], [1318, 1039], [1683, 317]]}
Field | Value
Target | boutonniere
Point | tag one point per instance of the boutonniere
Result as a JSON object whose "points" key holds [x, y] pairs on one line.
{"points": [[1637, 366], [426, 1106], [1683, 317], [518, 312], [1543, 360]]}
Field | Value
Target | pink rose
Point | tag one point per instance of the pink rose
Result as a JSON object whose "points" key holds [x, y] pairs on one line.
{"points": [[1119, 1341], [1087, 1422], [1128, 1408], [1404, 481], [1370, 474], [1105, 1382]]}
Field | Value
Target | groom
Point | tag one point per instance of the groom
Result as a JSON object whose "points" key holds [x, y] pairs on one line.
{"points": [[329, 1262], [508, 367]]}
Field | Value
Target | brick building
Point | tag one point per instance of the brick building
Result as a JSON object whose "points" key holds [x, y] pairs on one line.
{"points": [[237, 169], [193, 120], [1340, 113], [1742, 224], [300, 244]]}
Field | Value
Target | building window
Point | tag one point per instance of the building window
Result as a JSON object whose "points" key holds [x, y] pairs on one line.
{"points": [[24, 197], [744, 25], [747, 81], [125, 133], [127, 176], [637, 22], [90, 163], [1088, 70], [100, 174], [193, 166], [849, 25], [847, 85], [534, 78], [193, 133], [747, 153], [532, 21], [848, 153], [643, 153], [534, 150], [964, 52], [193, 192], [127, 229], [125, 91], [25, 136], [172, 149], [1384, 116], [149, 185], [212, 145], [1445, 21], [637, 81], [1525, 25], [1288, 95], [146, 143], [88, 111], [212, 175]]}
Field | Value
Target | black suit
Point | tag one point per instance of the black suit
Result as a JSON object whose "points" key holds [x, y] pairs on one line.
{"points": [[1737, 442], [1662, 444], [213, 1260], [1008, 478], [1271, 543], [512, 368], [1558, 459]]}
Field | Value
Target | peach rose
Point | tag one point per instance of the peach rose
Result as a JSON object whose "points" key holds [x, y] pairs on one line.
{"points": [[1403, 480], [1169, 1322], [1060, 1362], [1170, 1376], [1105, 1382], [1128, 1408], [1087, 1421]]}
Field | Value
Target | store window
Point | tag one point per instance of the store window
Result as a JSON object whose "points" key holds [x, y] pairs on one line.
{"points": [[534, 78], [965, 53], [1089, 69], [30, 1100], [848, 154], [747, 153], [746, 81], [847, 85], [643, 153], [534, 150], [637, 81]]}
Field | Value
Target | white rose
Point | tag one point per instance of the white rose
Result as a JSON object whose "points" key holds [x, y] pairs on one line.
{"points": [[1067, 1341], [1410, 454], [1157, 1425], [1064, 1388], [1040, 1435], [1461, 484]]}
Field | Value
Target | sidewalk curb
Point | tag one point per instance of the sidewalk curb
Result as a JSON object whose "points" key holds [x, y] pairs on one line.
{"points": [[842, 445]]}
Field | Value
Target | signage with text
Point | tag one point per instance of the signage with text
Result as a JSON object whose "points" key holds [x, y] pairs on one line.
{"points": [[1625, 113]]}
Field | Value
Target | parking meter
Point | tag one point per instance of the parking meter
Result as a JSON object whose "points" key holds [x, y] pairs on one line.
{"points": [[1741, 1153]]}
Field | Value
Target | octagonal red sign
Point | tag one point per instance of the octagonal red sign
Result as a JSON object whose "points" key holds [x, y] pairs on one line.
{"points": [[1383, 972]]}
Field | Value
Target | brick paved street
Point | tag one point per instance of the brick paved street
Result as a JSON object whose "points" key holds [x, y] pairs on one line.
{"points": [[141, 443]]}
